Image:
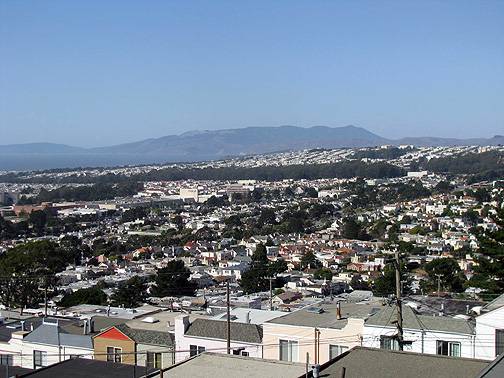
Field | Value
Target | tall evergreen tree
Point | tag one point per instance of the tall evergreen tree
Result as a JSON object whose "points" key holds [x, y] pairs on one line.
{"points": [[173, 281], [130, 294]]}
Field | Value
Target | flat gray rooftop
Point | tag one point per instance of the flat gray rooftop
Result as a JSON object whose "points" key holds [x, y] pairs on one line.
{"points": [[379, 363], [223, 365], [307, 317]]}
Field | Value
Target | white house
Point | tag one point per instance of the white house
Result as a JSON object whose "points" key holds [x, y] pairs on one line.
{"points": [[490, 330], [421, 333], [46, 345], [211, 335]]}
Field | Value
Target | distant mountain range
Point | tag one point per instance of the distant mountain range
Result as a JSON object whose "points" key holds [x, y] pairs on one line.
{"points": [[217, 144]]}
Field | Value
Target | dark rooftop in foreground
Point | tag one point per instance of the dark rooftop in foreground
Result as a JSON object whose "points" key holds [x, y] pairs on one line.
{"points": [[87, 368], [220, 365], [361, 362]]}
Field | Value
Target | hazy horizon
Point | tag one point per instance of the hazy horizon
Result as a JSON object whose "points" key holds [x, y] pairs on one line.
{"points": [[205, 130]]}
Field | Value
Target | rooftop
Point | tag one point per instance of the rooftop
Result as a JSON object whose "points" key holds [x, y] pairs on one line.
{"points": [[216, 329], [254, 316], [363, 362], [224, 365], [411, 320], [160, 321], [84, 368], [323, 315], [142, 336]]}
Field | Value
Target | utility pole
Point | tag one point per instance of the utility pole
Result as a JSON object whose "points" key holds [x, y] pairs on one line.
{"points": [[45, 300], [228, 319], [270, 279], [439, 284], [398, 301]]}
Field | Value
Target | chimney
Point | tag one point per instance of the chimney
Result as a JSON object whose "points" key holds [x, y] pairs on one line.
{"points": [[441, 313], [467, 309], [91, 325], [84, 328], [181, 326], [338, 311], [315, 371], [247, 317]]}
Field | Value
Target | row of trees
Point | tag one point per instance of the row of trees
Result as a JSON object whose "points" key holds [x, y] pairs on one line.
{"points": [[28, 270], [96, 192], [345, 169]]}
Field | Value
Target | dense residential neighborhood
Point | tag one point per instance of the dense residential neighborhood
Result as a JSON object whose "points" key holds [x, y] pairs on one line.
{"points": [[106, 269]]}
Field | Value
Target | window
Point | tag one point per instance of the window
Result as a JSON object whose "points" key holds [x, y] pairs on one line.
{"points": [[499, 341], [288, 350], [448, 348], [336, 350], [114, 354], [154, 360], [240, 352], [39, 359], [6, 359], [389, 342], [195, 350]]}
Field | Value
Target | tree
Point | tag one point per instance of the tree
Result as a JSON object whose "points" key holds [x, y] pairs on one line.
{"points": [[260, 255], [310, 192], [357, 283], [173, 281], [443, 187], [255, 279], [93, 295], [130, 294], [214, 201], [267, 216], [323, 274], [26, 267], [449, 273], [351, 229], [309, 260], [178, 221], [38, 220], [386, 283], [233, 221], [257, 194]]}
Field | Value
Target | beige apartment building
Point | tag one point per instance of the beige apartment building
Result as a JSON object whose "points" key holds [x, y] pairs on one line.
{"points": [[321, 332]]}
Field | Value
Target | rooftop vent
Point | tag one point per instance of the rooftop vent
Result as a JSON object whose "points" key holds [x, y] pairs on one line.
{"points": [[315, 310], [150, 319]]}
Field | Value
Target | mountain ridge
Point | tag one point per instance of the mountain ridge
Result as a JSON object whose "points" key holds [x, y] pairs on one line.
{"points": [[246, 141]]}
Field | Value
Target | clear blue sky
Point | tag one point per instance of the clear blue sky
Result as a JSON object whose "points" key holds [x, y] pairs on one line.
{"points": [[96, 72]]}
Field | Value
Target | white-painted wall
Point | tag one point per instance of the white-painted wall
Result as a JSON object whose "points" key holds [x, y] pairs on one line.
{"points": [[422, 341], [22, 351], [183, 342], [486, 325]]}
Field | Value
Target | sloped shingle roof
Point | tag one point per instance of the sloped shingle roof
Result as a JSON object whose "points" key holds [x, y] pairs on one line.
{"points": [[411, 320], [52, 334], [216, 329], [142, 336]]}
